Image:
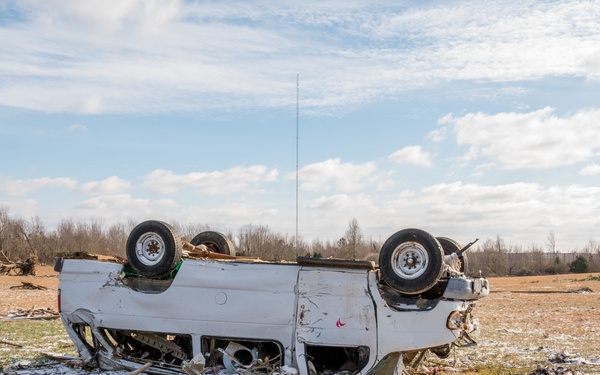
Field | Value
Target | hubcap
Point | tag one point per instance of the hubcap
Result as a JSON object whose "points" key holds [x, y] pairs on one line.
{"points": [[410, 260], [150, 248]]}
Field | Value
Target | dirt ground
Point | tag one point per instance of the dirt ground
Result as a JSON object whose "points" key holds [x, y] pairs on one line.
{"points": [[551, 321], [524, 323], [22, 299]]}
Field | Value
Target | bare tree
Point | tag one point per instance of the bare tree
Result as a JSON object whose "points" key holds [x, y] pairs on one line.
{"points": [[551, 242], [352, 244], [117, 240], [4, 223], [19, 239], [96, 242], [494, 258]]}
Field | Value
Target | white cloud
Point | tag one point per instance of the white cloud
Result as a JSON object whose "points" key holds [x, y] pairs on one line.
{"points": [[77, 128], [110, 185], [232, 216], [522, 213], [411, 155], [357, 202], [25, 208], [114, 202], [117, 208], [333, 202], [529, 140], [590, 170], [592, 64], [218, 182], [21, 187], [107, 15], [333, 174], [437, 135], [151, 56], [91, 104]]}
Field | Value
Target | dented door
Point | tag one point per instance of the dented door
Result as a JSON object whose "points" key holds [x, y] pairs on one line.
{"points": [[335, 308]]}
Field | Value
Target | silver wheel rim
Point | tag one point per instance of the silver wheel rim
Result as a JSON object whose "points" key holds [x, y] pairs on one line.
{"points": [[150, 248], [410, 260]]}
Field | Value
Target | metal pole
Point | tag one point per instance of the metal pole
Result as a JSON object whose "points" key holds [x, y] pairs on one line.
{"points": [[297, 138]]}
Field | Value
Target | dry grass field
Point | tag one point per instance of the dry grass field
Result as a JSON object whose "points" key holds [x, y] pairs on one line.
{"points": [[530, 321], [526, 322]]}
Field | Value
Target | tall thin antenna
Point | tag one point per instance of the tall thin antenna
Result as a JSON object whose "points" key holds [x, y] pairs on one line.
{"points": [[297, 138]]}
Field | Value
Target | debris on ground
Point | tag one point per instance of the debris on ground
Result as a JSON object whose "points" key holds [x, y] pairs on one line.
{"points": [[31, 314], [25, 268], [545, 370], [6, 342], [28, 285], [91, 256], [50, 368], [584, 290], [572, 359], [63, 365]]}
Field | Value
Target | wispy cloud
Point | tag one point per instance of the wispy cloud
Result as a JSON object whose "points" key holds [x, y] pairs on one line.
{"points": [[590, 170], [117, 208], [77, 128], [152, 56], [110, 185], [334, 175], [412, 155], [536, 139], [217, 182], [15, 187]]}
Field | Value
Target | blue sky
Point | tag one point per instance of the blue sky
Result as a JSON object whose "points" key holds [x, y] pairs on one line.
{"points": [[467, 119]]}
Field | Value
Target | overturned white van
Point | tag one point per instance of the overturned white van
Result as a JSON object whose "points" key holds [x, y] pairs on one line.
{"points": [[312, 316]]}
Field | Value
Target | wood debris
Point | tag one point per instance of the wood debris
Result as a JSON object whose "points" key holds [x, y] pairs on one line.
{"points": [[28, 285], [2, 341], [64, 358], [31, 314], [202, 251], [91, 256], [24, 268]]}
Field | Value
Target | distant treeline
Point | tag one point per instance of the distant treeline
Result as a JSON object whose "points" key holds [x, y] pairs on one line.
{"points": [[20, 239]]}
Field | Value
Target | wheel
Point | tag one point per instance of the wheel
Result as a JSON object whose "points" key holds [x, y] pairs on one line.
{"points": [[411, 261], [450, 247], [153, 249], [442, 351], [215, 241]]}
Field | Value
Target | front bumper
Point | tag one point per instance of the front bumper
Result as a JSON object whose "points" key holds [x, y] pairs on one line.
{"points": [[466, 289]]}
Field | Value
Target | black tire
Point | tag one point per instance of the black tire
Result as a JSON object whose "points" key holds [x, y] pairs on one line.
{"points": [[215, 241], [450, 247], [442, 351], [153, 249], [411, 261]]}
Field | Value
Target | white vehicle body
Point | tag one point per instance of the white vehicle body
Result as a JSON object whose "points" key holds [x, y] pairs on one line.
{"points": [[302, 315]]}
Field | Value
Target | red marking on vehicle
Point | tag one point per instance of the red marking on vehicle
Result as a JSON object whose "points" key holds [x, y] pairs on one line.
{"points": [[339, 324]]}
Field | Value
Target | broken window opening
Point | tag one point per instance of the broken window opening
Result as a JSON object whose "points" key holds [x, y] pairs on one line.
{"points": [[146, 285], [336, 359], [84, 332], [404, 302], [233, 354], [165, 348]]}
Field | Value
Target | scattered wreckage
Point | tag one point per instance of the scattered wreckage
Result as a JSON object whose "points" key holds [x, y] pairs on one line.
{"points": [[195, 307], [33, 313], [24, 268]]}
